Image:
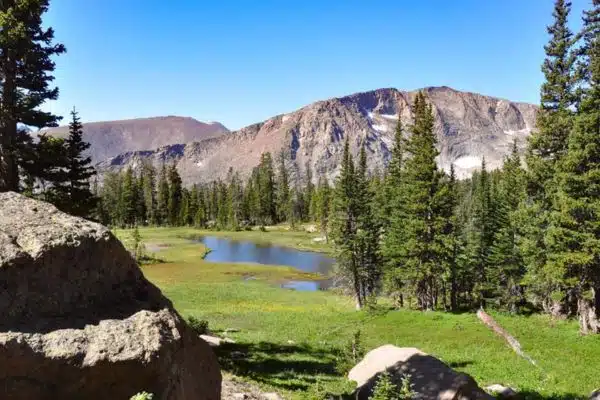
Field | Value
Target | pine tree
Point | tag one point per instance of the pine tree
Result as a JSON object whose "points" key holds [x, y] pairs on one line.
{"points": [[482, 235], [345, 225], [420, 256], [111, 199], [391, 217], [45, 165], [388, 200], [309, 191], [266, 191], [26, 66], [185, 217], [162, 212], [175, 195], [323, 206], [574, 233], [505, 254], [140, 202], [127, 201], [80, 200], [547, 145], [367, 231], [283, 189], [149, 193]]}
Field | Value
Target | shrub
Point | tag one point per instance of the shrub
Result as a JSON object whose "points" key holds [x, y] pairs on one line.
{"points": [[142, 396], [200, 326], [350, 354], [386, 389]]}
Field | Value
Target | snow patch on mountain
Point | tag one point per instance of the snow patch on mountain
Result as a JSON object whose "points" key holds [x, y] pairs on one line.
{"points": [[380, 128], [466, 162]]}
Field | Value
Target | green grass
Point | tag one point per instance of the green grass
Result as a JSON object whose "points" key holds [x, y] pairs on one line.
{"points": [[287, 339]]}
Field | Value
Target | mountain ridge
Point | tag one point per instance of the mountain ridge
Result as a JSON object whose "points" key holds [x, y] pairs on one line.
{"points": [[112, 138], [469, 126]]}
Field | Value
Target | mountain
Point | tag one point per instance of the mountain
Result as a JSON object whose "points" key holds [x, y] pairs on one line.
{"points": [[469, 127], [111, 138]]}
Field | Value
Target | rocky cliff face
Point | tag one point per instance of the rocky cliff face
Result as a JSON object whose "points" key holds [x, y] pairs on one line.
{"points": [[469, 127], [80, 321], [111, 138]]}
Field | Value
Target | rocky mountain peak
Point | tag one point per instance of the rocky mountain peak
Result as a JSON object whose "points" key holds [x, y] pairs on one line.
{"points": [[469, 127]]}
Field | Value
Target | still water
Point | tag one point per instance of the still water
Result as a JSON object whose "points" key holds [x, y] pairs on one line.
{"points": [[228, 250]]}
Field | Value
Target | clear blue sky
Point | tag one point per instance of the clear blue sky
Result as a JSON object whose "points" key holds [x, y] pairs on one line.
{"points": [[240, 62]]}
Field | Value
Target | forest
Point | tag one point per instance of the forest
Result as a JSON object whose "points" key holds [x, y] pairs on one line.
{"points": [[525, 238]]}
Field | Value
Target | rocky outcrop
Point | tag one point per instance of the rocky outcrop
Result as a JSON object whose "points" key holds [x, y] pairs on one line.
{"points": [[79, 320], [430, 378], [111, 138], [469, 127]]}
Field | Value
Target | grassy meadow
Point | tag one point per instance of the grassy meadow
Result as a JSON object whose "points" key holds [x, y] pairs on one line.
{"points": [[286, 340]]}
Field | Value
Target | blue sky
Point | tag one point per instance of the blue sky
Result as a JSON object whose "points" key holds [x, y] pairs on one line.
{"points": [[240, 62]]}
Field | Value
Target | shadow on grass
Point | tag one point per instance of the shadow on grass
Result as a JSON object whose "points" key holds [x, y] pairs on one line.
{"points": [[529, 395], [291, 367]]}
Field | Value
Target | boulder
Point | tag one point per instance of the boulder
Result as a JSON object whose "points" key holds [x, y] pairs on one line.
{"points": [[430, 377], [79, 320]]}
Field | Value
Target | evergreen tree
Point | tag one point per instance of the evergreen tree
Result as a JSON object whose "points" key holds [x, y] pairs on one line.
{"points": [[194, 200], [547, 145], [162, 212], [417, 259], [388, 199], [149, 193], [482, 235], [175, 195], [283, 189], [309, 191], [111, 199], [45, 166], [128, 199], [26, 66], [505, 255], [391, 217], [79, 200], [345, 225], [574, 233], [367, 231], [323, 205], [185, 217], [266, 189], [140, 202]]}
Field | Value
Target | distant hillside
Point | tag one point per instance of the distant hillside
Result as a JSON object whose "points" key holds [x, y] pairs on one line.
{"points": [[111, 138], [469, 126]]}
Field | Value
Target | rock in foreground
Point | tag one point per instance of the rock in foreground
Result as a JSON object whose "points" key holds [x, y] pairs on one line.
{"points": [[431, 378], [79, 320]]}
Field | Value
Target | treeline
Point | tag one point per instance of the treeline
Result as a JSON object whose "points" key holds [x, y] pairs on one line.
{"points": [[150, 197]]}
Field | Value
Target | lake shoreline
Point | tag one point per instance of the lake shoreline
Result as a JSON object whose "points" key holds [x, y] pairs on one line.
{"points": [[224, 249]]}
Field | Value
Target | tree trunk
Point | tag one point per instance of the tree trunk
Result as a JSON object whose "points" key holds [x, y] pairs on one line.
{"points": [[589, 313], [357, 288], [9, 175], [453, 292]]}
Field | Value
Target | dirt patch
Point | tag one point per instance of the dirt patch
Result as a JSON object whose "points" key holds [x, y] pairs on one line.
{"points": [[234, 389]]}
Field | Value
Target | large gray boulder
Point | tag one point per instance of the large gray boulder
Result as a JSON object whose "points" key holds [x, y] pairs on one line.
{"points": [[430, 377], [80, 321]]}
